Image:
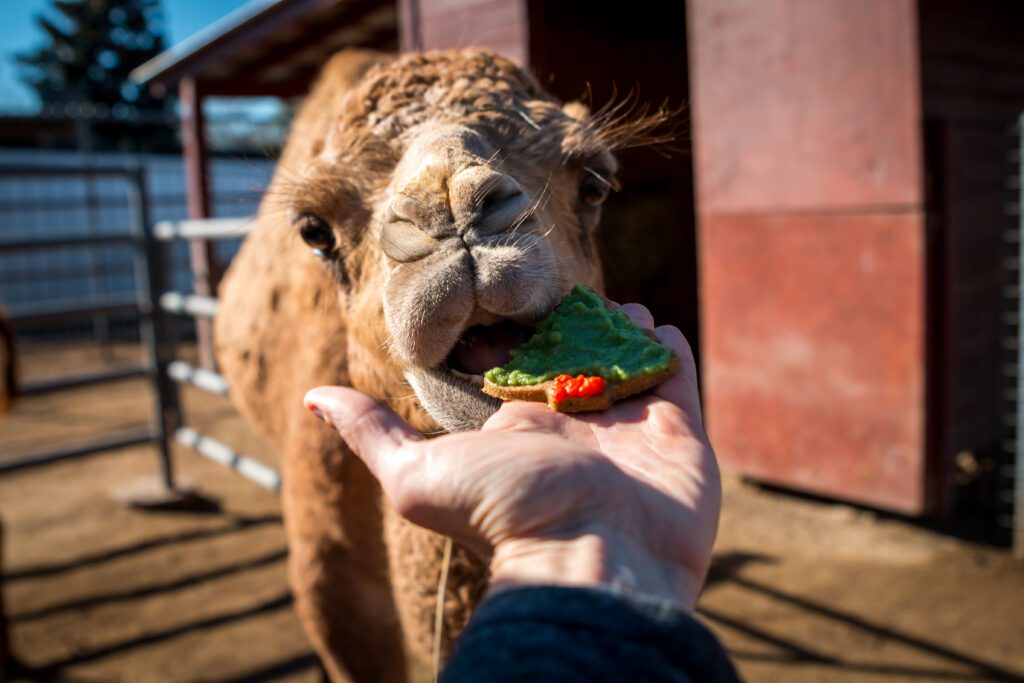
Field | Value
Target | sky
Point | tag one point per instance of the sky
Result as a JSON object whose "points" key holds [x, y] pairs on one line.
{"points": [[19, 32]]}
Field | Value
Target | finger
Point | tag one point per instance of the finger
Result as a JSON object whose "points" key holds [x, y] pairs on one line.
{"points": [[370, 429], [422, 494], [681, 388], [639, 315]]}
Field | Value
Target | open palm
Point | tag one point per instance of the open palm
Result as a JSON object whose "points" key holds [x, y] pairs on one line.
{"points": [[629, 495]]}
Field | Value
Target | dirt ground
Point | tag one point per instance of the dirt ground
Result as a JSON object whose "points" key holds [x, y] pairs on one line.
{"points": [[95, 590]]}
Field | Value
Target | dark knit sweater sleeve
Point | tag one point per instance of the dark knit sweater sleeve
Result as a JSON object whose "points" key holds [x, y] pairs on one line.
{"points": [[572, 634]]}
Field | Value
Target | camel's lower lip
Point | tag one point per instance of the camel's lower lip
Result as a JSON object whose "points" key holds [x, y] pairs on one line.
{"points": [[451, 390], [454, 399]]}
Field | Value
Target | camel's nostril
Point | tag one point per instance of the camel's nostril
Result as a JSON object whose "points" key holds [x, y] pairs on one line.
{"points": [[500, 214], [494, 188], [491, 202], [494, 203]]}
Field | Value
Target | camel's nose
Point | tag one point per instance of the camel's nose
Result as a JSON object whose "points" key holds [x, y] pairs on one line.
{"points": [[470, 204]]}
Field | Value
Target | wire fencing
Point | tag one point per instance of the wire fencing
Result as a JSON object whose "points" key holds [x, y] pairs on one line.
{"points": [[37, 208]]}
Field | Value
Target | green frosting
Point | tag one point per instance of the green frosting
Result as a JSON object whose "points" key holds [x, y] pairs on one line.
{"points": [[581, 336]]}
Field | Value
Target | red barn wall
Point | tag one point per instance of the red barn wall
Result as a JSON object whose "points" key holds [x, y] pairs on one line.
{"points": [[812, 243]]}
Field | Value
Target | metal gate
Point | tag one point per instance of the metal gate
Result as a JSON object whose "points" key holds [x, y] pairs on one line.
{"points": [[146, 271], [152, 305], [1011, 471]]}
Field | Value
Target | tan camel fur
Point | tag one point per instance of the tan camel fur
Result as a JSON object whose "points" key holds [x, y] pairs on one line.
{"points": [[426, 211]]}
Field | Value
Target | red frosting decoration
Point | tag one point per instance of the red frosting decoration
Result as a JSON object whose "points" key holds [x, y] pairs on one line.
{"points": [[567, 386]]}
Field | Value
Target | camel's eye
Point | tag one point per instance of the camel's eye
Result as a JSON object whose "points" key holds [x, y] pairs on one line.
{"points": [[317, 234], [594, 189]]}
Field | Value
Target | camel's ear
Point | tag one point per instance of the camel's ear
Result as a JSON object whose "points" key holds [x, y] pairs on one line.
{"points": [[579, 138], [576, 110]]}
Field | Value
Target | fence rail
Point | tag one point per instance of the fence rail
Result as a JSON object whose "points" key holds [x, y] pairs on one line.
{"points": [[65, 241], [203, 229], [203, 379], [63, 312], [188, 304], [247, 467], [84, 380], [41, 170], [108, 443], [207, 380], [45, 193]]}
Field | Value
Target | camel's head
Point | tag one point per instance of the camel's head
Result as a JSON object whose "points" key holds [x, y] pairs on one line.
{"points": [[455, 202]]}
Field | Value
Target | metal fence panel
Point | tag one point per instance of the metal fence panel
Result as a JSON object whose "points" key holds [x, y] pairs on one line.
{"points": [[145, 270], [1011, 493]]}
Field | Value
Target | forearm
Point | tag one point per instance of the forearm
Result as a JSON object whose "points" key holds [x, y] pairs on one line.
{"points": [[574, 634]]}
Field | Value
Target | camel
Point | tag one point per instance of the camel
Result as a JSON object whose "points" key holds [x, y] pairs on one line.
{"points": [[427, 210]]}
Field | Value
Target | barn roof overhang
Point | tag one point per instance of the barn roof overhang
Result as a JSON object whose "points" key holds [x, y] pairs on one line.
{"points": [[271, 47]]}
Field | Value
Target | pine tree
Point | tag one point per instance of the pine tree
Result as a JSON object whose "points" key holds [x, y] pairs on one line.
{"points": [[83, 70]]}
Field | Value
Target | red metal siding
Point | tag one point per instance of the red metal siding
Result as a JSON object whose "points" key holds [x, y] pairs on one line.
{"points": [[812, 244], [805, 105], [813, 348]]}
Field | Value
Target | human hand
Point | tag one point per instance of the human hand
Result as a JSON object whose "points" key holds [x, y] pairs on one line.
{"points": [[626, 497]]}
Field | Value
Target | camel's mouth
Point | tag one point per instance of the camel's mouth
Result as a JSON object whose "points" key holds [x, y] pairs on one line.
{"points": [[450, 390], [482, 347]]}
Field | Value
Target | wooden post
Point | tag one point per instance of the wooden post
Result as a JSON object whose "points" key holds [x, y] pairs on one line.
{"points": [[201, 255]]}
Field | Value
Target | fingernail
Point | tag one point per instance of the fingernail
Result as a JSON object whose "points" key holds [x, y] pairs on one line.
{"points": [[316, 411]]}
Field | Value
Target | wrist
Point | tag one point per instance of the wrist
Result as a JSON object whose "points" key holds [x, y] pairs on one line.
{"points": [[593, 559]]}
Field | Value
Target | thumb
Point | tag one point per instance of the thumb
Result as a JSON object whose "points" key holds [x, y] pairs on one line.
{"points": [[371, 430]]}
